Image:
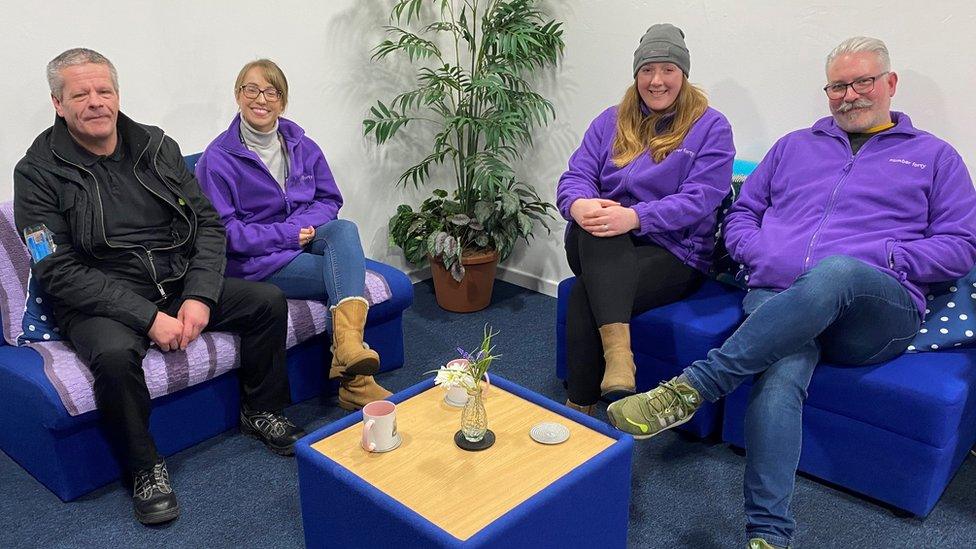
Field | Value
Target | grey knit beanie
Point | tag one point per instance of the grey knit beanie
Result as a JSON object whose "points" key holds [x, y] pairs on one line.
{"points": [[663, 43]]}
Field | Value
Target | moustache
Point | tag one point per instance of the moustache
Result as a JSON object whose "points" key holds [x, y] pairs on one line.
{"points": [[858, 103]]}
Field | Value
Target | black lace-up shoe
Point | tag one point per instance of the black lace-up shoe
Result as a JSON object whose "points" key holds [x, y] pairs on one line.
{"points": [[273, 429], [152, 495]]}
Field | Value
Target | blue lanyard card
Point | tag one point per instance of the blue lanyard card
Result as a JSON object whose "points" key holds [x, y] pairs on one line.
{"points": [[40, 241]]}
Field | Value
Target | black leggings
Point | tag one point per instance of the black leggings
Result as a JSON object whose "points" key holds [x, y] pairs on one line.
{"points": [[616, 277]]}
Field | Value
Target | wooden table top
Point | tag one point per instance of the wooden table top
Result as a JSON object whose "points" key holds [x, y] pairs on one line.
{"points": [[461, 491]]}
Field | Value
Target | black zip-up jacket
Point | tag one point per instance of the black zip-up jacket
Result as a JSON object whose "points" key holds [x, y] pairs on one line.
{"points": [[52, 187]]}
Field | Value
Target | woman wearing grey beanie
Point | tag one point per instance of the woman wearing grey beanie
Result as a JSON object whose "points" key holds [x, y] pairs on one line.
{"points": [[640, 196]]}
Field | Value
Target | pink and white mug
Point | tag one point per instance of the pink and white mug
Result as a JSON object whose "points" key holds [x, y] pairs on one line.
{"points": [[380, 427]]}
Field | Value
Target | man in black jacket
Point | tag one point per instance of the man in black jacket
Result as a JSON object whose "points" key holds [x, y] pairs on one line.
{"points": [[138, 260]]}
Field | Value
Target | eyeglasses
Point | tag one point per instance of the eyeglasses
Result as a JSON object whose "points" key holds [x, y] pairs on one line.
{"points": [[860, 86], [252, 92]]}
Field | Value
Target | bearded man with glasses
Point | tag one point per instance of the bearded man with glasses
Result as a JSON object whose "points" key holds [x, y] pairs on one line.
{"points": [[841, 228]]}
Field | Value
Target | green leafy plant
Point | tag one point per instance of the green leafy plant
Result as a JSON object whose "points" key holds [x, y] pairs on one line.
{"points": [[473, 58]]}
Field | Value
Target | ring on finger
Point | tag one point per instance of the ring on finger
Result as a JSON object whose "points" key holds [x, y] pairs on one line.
{"points": [[606, 227]]}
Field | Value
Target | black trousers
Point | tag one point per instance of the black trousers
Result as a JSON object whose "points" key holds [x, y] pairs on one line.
{"points": [[113, 351], [616, 277]]}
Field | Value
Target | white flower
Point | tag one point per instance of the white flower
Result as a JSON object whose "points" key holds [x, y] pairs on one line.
{"points": [[455, 374]]}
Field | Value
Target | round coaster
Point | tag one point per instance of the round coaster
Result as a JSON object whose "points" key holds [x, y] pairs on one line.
{"points": [[396, 444], [486, 442], [549, 433]]}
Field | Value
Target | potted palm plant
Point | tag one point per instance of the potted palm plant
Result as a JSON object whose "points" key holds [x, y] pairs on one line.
{"points": [[473, 58]]}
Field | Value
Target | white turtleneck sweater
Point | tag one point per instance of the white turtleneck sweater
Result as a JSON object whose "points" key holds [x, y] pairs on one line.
{"points": [[269, 148]]}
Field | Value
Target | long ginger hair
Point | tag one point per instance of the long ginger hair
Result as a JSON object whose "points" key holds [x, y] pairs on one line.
{"points": [[637, 132]]}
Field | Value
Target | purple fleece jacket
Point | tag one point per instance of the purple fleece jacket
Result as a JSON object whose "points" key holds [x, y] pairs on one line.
{"points": [[263, 221], [904, 204], [675, 199]]}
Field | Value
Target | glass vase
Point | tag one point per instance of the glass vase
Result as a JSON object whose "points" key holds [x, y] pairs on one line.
{"points": [[474, 418]]}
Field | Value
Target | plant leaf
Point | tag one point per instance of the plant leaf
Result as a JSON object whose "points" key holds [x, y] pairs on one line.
{"points": [[459, 219]]}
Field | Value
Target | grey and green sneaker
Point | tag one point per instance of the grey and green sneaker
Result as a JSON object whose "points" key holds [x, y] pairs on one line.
{"points": [[759, 543], [646, 414]]}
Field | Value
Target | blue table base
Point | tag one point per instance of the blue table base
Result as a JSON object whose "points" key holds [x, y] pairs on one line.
{"points": [[587, 507]]}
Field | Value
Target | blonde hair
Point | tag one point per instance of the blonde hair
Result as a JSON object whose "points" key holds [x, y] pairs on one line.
{"points": [[271, 72], [637, 132]]}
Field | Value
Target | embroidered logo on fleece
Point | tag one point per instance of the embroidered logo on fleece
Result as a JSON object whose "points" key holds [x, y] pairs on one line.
{"points": [[918, 165]]}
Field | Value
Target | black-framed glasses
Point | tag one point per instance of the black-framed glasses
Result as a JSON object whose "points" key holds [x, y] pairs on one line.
{"points": [[251, 91], [860, 86]]}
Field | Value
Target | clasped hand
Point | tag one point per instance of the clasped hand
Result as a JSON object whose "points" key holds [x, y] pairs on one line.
{"points": [[305, 235], [603, 218], [170, 333]]}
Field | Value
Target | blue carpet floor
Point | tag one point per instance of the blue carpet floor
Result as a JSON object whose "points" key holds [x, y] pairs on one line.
{"points": [[686, 493]]}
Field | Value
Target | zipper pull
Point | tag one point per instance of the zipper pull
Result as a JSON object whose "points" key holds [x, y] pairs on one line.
{"points": [[152, 268], [847, 167]]}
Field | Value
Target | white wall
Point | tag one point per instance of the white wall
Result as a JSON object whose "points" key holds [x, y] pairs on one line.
{"points": [[760, 60]]}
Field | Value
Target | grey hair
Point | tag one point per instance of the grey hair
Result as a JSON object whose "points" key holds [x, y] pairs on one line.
{"points": [[860, 44], [76, 56]]}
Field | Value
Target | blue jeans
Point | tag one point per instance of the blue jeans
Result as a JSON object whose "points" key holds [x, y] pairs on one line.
{"points": [[331, 268], [842, 309]]}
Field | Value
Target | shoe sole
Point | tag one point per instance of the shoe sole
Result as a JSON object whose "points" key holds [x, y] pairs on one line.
{"points": [[645, 437], [349, 406], [158, 517], [613, 394], [365, 367], [280, 450]]}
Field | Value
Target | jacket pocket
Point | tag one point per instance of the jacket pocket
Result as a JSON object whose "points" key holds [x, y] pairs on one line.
{"points": [[73, 207], [746, 251], [889, 258]]}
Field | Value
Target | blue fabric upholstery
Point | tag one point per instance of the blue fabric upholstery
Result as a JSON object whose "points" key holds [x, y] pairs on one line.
{"points": [[896, 431], [70, 455], [191, 160], [554, 517]]}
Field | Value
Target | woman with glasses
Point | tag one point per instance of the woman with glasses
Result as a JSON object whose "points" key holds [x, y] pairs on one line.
{"points": [[640, 195], [276, 196]]}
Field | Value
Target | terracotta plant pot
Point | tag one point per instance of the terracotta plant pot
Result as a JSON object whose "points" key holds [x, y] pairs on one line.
{"points": [[473, 293]]}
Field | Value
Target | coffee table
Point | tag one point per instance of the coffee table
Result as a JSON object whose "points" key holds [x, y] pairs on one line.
{"points": [[430, 493]]}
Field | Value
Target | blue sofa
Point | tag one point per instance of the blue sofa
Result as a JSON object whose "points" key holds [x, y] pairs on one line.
{"points": [[896, 432], [70, 454]]}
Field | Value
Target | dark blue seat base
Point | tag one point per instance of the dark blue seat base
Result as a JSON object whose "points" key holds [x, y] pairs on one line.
{"points": [[896, 431]]}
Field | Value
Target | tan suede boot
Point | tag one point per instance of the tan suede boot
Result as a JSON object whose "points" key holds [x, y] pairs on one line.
{"points": [[618, 378], [588, 410], [350, 355], [356, 392]]}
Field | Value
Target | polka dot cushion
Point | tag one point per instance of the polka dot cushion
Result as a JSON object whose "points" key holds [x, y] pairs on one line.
{"points": [[724, 268], [950, 316], [38, 324]]}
